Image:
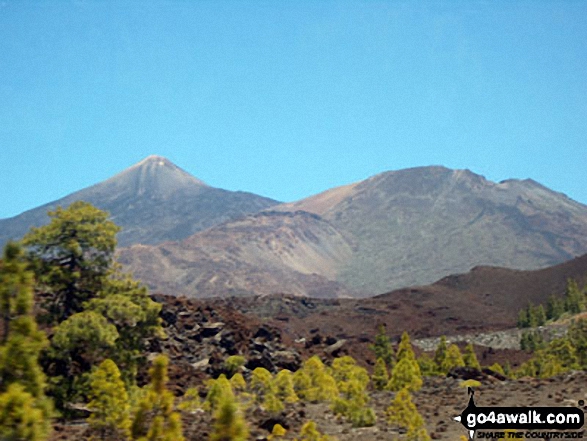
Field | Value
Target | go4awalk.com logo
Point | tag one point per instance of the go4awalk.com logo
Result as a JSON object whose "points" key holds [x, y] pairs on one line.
{"points": [[521, 422]]}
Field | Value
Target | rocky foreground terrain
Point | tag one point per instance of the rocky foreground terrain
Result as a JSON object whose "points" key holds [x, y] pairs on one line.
{"points": [[201, 335]]}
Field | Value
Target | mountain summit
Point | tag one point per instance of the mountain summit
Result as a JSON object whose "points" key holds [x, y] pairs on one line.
{"points": [[154, 176], [416, 225], [153, 201]]}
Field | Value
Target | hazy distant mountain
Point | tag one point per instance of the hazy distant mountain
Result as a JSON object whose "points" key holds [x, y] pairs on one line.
{"points": [[396, 229], [414, 226], [153, 201]]}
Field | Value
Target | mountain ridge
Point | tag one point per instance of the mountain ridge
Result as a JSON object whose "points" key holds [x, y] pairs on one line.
{"points": [[153, 201], [412, 227], [394, 229]]}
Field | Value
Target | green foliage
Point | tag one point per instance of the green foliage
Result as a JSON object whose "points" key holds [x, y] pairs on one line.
{"points": [[265, 390], [277, 432], [84, 337], [16, 283], [540, 315], [127, 306], [405, 375], [157, 406], [531, 341], [72, 255], [261, 382], [217, 389], [469, 357], [302, 383], [271, 403], [382, 347], [238, 383], [233, 363], [523, 321], [190, 401], [229, 424], [20, 418], [440, 355], [404, 349], [574, 298], [564, 351], [427, 366], [314, 383], [573, 302], [380, 376], [470, 383], [406, 372], [555, 308], [345, 369], [403, 414], [309, 432], [578, 337], [352, 381], [542, 365], [284, 386], [109, 404], [453, 358], [560, 355], [22, 382], [99, 312], [496, 367]]}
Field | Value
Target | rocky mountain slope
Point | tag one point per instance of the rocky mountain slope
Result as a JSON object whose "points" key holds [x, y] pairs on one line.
{"points": [[417, 225], [270, 252], [396, 229], [153, 201]]}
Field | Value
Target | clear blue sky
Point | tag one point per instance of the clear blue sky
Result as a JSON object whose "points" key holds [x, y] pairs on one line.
{"points": [[289, 98]]}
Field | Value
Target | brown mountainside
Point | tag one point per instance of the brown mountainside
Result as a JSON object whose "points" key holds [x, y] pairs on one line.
{"points": [[271, 252], [417, 225]]}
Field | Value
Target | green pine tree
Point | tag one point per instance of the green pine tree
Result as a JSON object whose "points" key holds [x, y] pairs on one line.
{"points": [[532, 317], [577, 335], [72, 256], [564, 351], [440, 355], [22, 381], [404, 415], [157, 405], [321, 385], [523, 321], [453, 358], [574, 298], [20, 419], [216, 390], [380, 376], [110, 407], [404, 349], [540, 316], [405, 375], [382, 347], [470, 358], [284, 386], [232, 364], [427, 366], [555, 308], [229, 424]]}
